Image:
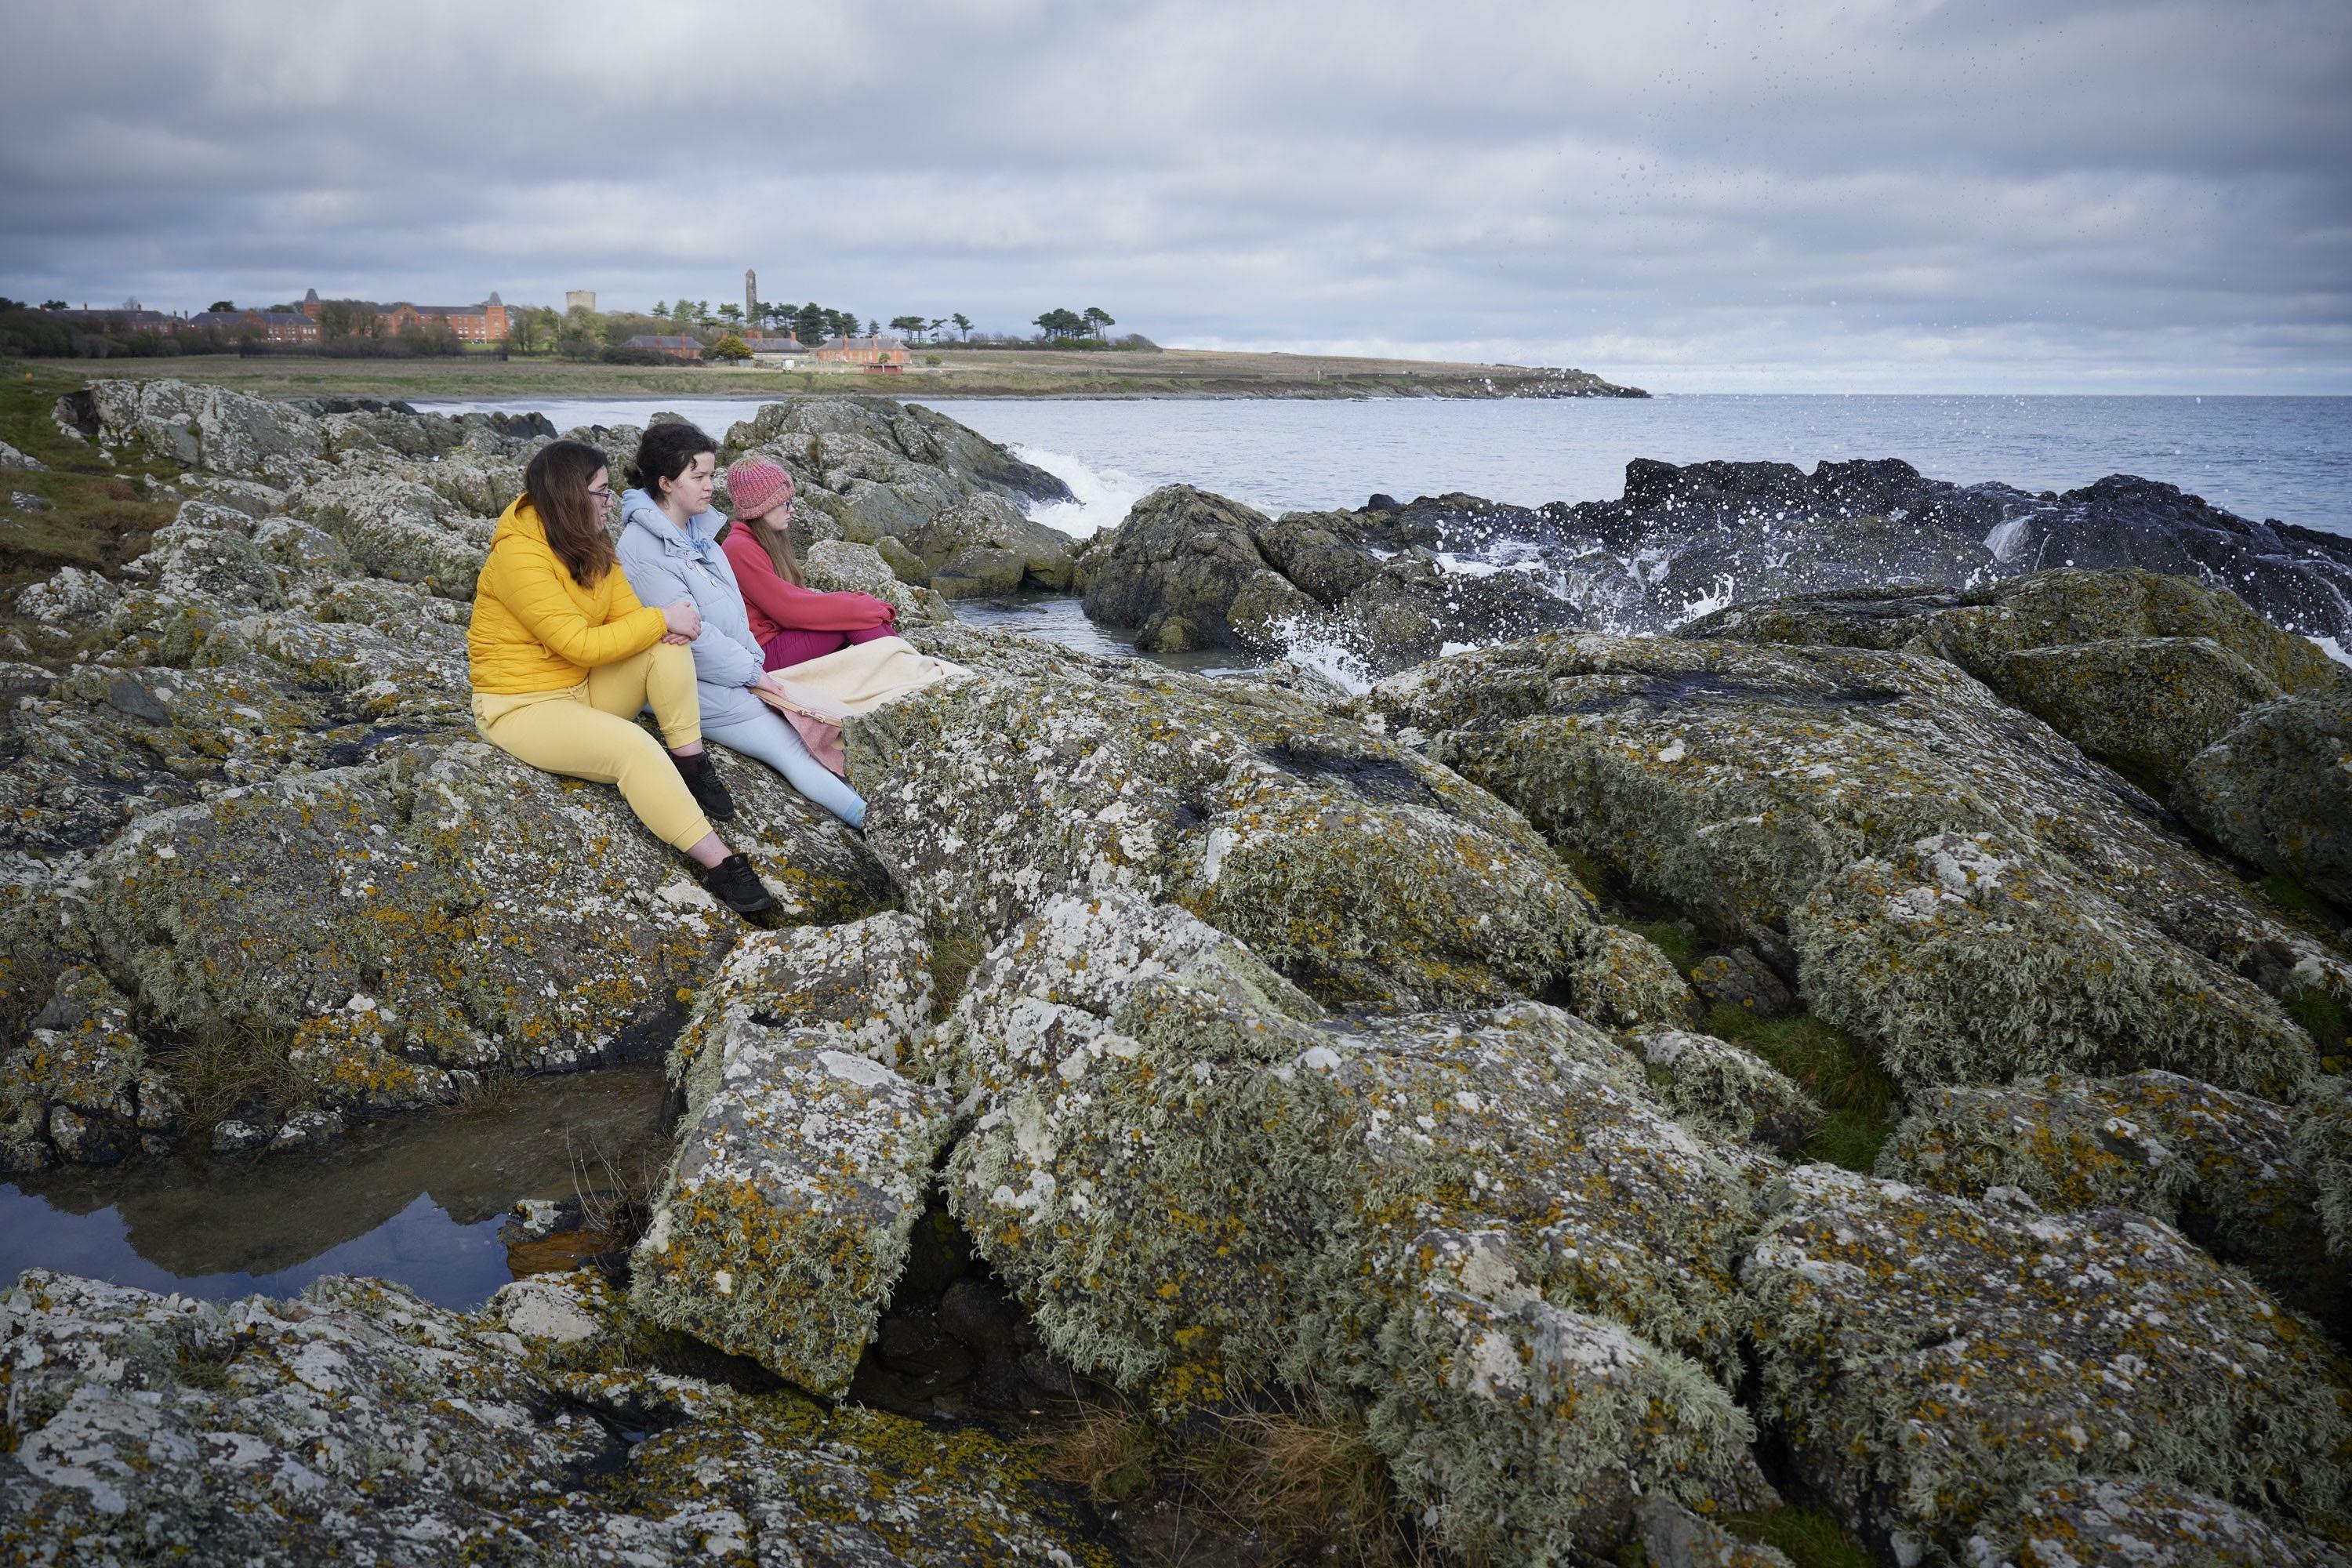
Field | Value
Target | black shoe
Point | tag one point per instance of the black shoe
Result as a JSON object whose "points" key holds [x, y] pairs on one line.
{"points": [[702, 782], [733, 883]]}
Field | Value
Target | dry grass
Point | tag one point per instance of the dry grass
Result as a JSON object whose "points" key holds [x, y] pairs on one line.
{"points": [[615, 1189], [1298, 1485], [493, 1093], [225, 1070]]}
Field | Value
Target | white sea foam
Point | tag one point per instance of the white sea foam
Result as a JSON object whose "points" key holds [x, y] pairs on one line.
{"points": [[2333, 649], [1103, 495], [1314, 649]]}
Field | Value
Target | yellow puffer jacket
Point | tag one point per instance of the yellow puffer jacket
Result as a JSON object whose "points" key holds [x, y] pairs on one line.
{"points": [[534, 629]]}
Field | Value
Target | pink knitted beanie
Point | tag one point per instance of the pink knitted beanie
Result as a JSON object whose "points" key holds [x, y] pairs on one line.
{"points": [[756, 485]]}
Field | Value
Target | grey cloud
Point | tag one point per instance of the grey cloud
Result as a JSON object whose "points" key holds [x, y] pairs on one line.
{"points": [[1952, 196]]}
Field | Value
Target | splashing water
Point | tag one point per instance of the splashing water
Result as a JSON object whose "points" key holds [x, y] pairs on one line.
{"points": [[1103, 495], [1318, 651], [1719, 595], [2333, 649]]}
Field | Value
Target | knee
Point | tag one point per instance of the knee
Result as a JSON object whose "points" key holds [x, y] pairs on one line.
{"points": [[672, 657]]}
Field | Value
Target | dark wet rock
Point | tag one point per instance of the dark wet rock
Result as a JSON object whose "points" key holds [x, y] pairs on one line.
{"points": [[1740, 979], [1930, 1360], [2275, 790], [1813, 792], [1683, 542], [1192, 570]]}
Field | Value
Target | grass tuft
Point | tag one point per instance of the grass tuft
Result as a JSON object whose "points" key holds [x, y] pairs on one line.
{"points": [[1678, 939], [1855, 1094], [1808, 1537], [204, 1367], [493, 1093], [615, 1189], [224, 1070], [1301, 1485], [2293, 897], [954, 955]]}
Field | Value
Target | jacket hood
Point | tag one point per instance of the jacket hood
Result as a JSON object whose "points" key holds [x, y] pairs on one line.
{"points": [[700, 534], [520, 519]]}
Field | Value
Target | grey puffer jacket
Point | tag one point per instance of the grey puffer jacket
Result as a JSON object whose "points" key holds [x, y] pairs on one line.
{"points": [[665, 563]]}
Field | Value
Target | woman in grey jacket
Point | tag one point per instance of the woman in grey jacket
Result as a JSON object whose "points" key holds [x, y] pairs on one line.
{"points": [[669, 550]]}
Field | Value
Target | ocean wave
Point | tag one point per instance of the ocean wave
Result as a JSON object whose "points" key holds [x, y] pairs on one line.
{"points": [[1102, 496]]}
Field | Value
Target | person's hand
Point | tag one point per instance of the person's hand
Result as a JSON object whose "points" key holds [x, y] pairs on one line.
{"points": [[675, 640], [684, 620]]}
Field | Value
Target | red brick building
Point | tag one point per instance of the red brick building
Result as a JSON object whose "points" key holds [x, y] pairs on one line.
{"points": [[877, 353], [667, 347], [488, 322]]}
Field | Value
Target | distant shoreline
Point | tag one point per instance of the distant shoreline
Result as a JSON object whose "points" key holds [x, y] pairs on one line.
{"points": [[1162, 373]]}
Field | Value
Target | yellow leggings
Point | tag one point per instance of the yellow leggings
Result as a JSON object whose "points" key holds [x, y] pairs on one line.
{"points": [[591, 732]]}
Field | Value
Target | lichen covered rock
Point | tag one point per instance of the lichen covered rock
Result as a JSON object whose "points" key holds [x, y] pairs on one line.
{"points": [[411, 1436], [1200, 1185], [2276, 791], [1969, 962], [2133, 1523], [1928, 1358], [2223, 1165], [783, 1221], [1736, 784], [1353, 865], [1715, 1084]]}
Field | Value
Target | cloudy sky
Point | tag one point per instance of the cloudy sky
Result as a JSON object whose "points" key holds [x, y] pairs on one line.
{"points": [[2003, 195]]}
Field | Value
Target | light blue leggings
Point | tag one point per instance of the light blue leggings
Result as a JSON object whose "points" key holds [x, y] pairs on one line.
{"points": [[778, 744]]}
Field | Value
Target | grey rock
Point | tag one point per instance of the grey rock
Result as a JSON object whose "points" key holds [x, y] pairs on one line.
{"points": [[2276, 790], [1931, 1360], [10, 457], [1812, 794]]}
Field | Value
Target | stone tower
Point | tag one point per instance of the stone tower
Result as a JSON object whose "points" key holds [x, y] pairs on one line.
{"points": [[750, 297]]}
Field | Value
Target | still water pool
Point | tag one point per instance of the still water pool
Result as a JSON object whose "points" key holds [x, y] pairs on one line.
{"points": [[415, 1199]]}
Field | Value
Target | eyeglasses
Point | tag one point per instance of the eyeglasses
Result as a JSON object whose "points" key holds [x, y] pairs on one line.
{"points": [[600, 492]]}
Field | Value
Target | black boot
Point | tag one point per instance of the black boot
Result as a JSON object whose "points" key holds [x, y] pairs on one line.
{"points": [[702, 782], [733, 883]]}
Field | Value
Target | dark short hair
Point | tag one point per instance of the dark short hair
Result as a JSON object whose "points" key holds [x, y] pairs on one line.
{"points": [[665, 451]]}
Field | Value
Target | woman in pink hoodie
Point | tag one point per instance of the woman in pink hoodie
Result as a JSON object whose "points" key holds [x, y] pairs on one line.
{"points": [[793, 622]]}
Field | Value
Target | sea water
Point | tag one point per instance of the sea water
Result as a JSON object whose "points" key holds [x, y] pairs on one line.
{"points": [[2288, 458]]}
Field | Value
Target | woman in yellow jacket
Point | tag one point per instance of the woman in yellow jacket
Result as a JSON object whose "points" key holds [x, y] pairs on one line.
{"points": [[563, 659]]}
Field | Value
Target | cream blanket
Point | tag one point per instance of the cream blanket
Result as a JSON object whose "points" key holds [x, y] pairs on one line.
{"points": [[819, 693]]}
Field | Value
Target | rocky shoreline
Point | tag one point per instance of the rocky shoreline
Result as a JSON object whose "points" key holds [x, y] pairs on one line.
{"points": [[1880, 1049]]}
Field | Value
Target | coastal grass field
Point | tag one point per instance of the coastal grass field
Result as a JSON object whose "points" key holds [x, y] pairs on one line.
{"points": [[958, 372]]}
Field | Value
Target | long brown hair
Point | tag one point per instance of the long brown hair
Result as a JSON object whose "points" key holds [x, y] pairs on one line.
{"points": [[556, 486], [778, 543]]}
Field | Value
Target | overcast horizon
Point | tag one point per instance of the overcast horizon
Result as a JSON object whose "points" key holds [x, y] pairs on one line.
{"points": [[1902, 198]]}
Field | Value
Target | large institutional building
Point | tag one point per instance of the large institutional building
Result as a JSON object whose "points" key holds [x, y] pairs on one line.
{"points": [[488, 322]]}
